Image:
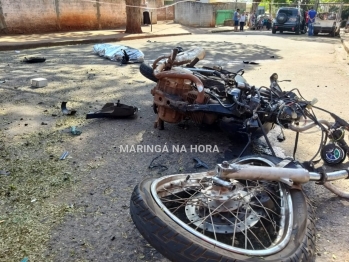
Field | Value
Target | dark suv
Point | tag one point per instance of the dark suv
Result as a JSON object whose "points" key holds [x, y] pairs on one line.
{"points": [[289, 19]]}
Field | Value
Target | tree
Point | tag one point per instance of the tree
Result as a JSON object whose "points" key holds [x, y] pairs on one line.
{"points": [[133, 17], [255, 6]]}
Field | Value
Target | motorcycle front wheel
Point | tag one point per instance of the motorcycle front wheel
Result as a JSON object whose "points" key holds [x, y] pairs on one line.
{"points": [[190, 218]]}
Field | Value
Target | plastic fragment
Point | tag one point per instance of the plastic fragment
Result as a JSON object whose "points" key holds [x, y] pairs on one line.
{"points": [[64, 155], [4, 172], [74, 131]]}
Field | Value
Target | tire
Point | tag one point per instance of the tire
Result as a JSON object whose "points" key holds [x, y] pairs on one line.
{"points": [[176, 243], [273, 31], [282, 18], [281, 31], [147, 71], [297, 30]]}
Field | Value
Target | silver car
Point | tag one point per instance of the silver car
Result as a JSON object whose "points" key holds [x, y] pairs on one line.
{"points": [[327, 22]]}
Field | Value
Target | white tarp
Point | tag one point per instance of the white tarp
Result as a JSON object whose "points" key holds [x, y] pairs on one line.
{"points": [[115, 53]]}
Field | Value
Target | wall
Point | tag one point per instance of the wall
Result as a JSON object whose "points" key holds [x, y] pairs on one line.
{"points": [[38, 16], [198, 14], [166, 13]]}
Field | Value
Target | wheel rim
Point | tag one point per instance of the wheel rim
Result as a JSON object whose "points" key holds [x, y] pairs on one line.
{"points": [[253, 217]]}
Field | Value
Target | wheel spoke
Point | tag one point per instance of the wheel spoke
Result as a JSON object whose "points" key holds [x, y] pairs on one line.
{"points": [[251, 215]]}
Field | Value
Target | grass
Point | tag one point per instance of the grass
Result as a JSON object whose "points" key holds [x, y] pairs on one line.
{"points": [[30, 197]]}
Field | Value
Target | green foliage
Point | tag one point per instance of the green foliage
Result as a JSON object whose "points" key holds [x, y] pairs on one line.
{"points": [[345, 13], [333, 8]]}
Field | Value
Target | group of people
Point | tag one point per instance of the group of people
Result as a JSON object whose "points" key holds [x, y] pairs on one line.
{"points": [[239, 19]]}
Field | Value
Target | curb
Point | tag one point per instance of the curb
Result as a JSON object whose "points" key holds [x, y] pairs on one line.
{"points": [[345, 45], [81, 42], [222, 31]]}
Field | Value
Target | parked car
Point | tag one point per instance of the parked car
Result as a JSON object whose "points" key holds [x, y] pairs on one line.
{"points": [[289, 19], [327, 22]]}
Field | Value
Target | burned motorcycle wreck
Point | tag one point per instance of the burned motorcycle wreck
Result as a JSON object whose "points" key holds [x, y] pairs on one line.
{"points": [[210, 95], [252, 208]]}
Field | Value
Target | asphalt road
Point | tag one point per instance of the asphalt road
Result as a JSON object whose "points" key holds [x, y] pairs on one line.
{"points": [[318, 67]]}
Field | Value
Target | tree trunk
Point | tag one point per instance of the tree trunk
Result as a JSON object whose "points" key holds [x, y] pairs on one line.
{"points": [[254, 10], [133, 17], [255, 6]]}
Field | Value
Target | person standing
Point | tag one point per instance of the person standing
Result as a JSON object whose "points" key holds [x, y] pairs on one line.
{"points": [[253, 18], [306, 18], [236, 17], [242, 21], [311, 20]]}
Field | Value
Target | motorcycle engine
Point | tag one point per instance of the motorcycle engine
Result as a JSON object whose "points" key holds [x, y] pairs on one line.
{"points": [[172, 94]]}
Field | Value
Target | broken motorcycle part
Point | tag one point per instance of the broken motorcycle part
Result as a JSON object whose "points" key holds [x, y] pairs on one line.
{"points": [[332, 154], [212, 95], [66, 111], [248, 208], [251, 63], [64, 155], [234, 219], [162, 167], [200, 163], [112, 110], [74, 131], [34, 59]]}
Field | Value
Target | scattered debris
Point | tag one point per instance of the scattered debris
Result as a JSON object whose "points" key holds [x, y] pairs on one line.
{"points": [[251, 63], [272, 56], [38, 82], [2, 81], [200, 163], [74, 131], [162, 167], [64, 155], [17, 51], [25, 259], [34, 60], [66, 111], [5, 173], [111, 110]]}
